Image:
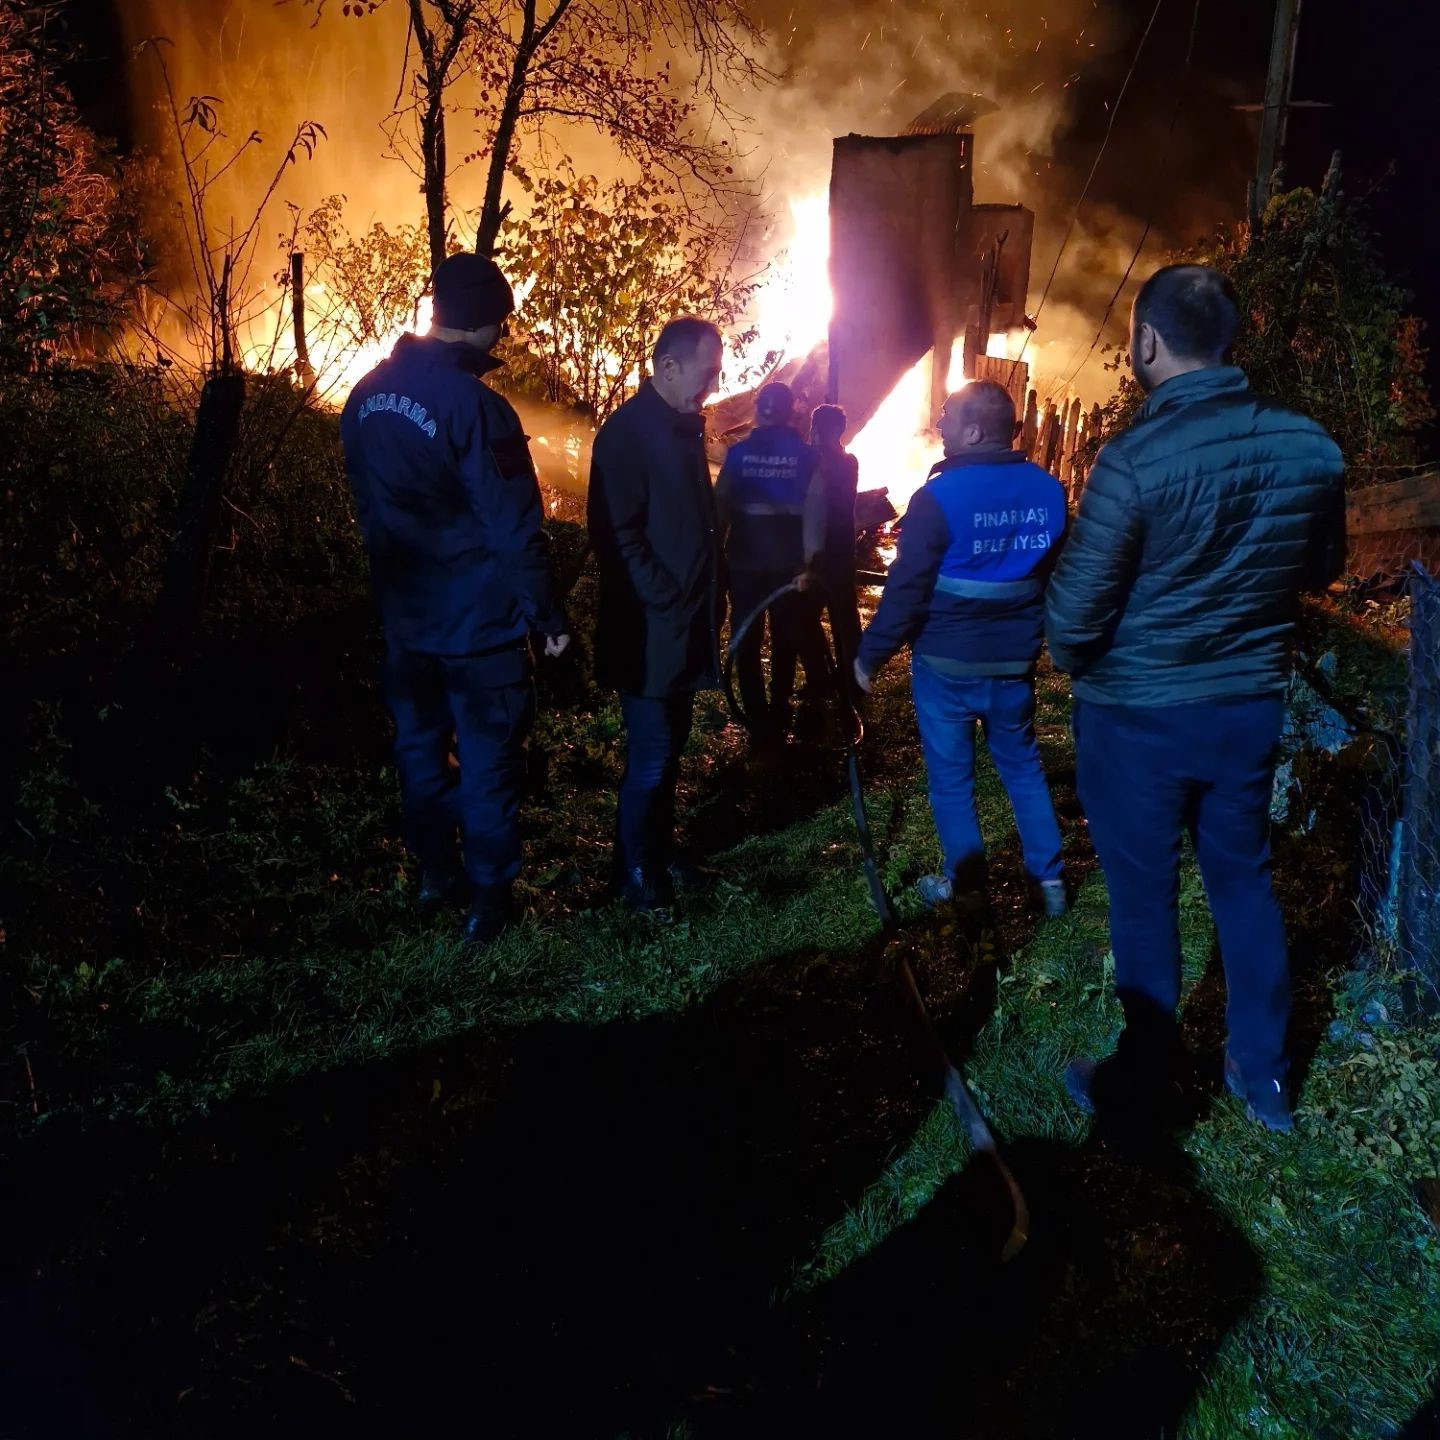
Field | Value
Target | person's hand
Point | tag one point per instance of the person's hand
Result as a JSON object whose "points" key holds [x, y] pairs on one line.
{"points": [[863, 678], [556, 645], [803, 581]]}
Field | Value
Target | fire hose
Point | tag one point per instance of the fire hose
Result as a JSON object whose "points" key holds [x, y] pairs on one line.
{"points": [[967, 1112]]}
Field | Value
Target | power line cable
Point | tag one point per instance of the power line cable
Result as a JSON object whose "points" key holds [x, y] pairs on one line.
{"points": [[1149, 218], [1089, 180]]}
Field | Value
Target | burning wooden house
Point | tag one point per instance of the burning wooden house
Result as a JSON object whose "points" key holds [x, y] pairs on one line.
{"points": [[929, 290], [919, 269]]}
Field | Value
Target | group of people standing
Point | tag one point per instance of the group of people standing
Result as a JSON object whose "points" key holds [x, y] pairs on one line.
{"points": [[1170, 600]]}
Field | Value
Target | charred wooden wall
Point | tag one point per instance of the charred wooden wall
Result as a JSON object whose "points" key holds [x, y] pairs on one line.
{"points": [[907, 244]]}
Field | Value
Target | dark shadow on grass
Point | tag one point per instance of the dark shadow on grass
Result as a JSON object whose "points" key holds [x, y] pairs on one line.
{"points": [[738, 803], [1102, 1327], [562, 1232], [582, 1231]]}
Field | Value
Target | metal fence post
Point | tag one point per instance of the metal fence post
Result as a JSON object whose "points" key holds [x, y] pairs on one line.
{"points": [[1419, 890]]}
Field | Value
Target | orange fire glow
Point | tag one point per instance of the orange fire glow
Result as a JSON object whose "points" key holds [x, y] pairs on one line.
{"points": [[900, 444], [791, 313], [791, 317], [340, 355]]}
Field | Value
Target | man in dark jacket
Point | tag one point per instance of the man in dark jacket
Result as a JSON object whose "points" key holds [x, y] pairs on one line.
{"points": [[967, 593], [1172, 607], [772, 516], [446, 497], [837, 474], [653, 525]]}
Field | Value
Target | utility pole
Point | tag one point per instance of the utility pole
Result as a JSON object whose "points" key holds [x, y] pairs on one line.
{"points": [[1277, 104]]}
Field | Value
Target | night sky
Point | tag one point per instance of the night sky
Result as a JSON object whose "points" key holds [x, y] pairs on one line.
{"points": [[1376, 73]]}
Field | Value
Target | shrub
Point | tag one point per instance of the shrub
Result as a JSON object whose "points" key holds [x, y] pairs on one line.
{"points": [[71, 251], [1326, 331]]}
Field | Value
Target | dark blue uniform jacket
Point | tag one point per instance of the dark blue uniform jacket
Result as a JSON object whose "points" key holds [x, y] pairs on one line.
{"points": [[967, 589], [447, 500], [762, 489]]}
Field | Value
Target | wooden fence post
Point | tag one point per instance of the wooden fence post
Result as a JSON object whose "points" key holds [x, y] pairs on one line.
{"points": [[187, 568], [303, 368], [1050, 436], [1067, 448]]}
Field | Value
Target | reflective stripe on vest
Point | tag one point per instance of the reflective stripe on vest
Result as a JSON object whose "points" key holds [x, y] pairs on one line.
{"points": [[766, 507], [989, 589]]}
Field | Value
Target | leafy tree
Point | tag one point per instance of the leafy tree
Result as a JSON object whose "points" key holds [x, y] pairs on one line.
{"points": [[537, 64], [1325, 331], [70, 248], [600, 269], [443, 31], [375, 279]]}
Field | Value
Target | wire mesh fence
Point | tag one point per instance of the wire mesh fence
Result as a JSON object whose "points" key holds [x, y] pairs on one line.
{"points": [[1418, 928], [1361, 764]]}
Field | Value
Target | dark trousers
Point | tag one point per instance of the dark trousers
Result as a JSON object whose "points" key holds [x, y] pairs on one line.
{"points": [[655, 735], [840, 600], [433, 700], [795, 634], [1145, 777]]}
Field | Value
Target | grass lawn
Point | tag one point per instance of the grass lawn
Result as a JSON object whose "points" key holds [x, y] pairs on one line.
{"points": [[285, 1161]]}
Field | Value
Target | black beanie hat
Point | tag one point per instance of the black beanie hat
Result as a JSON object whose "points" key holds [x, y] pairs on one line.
{"points": [[470, 293]]}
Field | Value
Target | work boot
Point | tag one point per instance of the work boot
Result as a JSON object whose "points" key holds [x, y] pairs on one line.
{"points": [[1266, 1103], [439, 888], [650, 895], [492, 912]]}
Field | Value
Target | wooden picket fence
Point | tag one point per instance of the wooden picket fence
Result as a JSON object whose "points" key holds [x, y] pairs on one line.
{"points": [[1054, 435]]}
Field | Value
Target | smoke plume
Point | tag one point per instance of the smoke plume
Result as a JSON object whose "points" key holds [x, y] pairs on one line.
{"points": [[1050, 68]]}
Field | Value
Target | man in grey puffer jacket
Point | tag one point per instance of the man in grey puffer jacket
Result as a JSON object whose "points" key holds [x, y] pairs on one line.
{"points": [[1173, 607]]}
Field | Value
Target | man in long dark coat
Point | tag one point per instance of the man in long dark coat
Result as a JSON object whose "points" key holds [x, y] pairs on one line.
{"points": [[652, 523]]}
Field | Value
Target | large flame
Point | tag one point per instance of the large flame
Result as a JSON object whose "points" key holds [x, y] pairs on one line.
{"points": [[340, 354], [791, 312], [900, 444], [791, 316]]}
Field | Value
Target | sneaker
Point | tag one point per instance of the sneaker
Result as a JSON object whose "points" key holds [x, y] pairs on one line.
{"points": [[1054, 898], [935, 889], [971, 900], [1267, 1104]]}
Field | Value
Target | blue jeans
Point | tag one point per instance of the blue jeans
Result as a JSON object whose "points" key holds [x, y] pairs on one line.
{"points": [[1146, 776], [947, 708], [655, 735], [434, 699]]}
